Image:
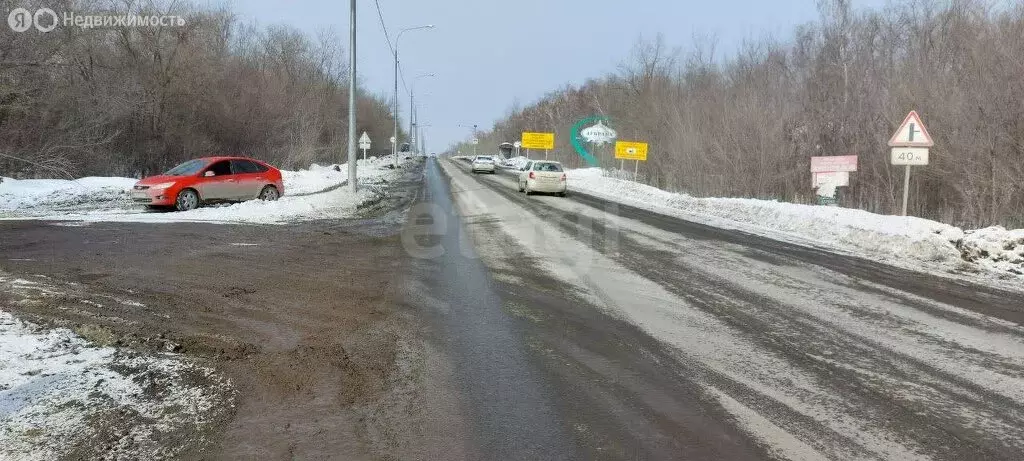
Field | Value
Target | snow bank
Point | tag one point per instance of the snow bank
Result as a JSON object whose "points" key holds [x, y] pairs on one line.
{"points": [[515, 162], [319, 178], [995, 248], [906, 241], [55, 194]]}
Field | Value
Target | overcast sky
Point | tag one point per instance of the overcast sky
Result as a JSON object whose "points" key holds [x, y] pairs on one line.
{"points": [[488, 54]]}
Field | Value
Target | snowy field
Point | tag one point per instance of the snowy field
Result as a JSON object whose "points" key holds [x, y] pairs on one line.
{"points": [[905, 241], [314, 193], [61, 395]]}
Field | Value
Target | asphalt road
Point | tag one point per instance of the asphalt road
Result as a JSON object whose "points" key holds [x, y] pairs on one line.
{"points": [[659, 338], [541, 374], [485, 324]]}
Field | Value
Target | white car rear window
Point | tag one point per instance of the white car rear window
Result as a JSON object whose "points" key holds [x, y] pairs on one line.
{"points": [[547, 167]]}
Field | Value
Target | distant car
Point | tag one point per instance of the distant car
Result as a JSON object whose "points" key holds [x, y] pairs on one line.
{"points": [[483, 163], [208, 180], [542, 176]]}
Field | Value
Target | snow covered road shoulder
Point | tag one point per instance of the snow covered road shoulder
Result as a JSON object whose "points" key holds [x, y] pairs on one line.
{"points": [[310, 194], [904, 241], [28, 196], [65, 397]]}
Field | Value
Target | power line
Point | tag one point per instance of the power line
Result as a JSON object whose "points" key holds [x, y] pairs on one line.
{"points": [[383, 27]]}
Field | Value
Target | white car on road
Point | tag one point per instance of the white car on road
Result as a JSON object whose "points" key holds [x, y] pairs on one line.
{"points": [[483, 163], [542, 176]]}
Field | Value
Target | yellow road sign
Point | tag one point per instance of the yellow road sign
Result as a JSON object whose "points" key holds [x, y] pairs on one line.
{"points": [[544, 141], [628, 150]]}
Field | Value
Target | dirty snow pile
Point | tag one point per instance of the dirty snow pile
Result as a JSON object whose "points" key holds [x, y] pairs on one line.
{"points": [[515, 162], [61, 397], [318, 178], [313, 193], [906, 241], [995, 248]]}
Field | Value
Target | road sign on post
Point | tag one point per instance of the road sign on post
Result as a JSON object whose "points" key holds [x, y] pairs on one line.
{"points": [[545, 141], [832, 163], [832, 178], [630, 150], [909, 156], [364, 143], [830, 172], [599, 133], [910, 145]]}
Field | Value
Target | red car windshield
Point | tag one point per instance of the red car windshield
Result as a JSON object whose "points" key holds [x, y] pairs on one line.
{"points": [[188, 168]]}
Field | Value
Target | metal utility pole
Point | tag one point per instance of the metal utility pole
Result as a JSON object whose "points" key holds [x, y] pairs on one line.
{"points": [[394, 147], [412, 108], [352, 182], [472, 140], [423, 142]]}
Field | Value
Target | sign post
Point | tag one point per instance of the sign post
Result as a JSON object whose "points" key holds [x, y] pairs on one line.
{"points": [[394, 150], [517, 145], [830, 172], [910, 145], [364, 143], [598, 134], [630, 150]]}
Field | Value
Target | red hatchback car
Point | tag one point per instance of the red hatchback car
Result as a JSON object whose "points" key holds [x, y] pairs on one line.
{"points": [[208, 180]]}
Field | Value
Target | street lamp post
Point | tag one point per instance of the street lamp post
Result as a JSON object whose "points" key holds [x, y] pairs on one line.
{"points": [[423, 142], [412, 106], [394, 147], [474, 140], [352, 100]]}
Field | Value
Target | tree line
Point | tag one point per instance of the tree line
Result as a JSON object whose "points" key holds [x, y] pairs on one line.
{"points": [[137, 100], [748, 125]]}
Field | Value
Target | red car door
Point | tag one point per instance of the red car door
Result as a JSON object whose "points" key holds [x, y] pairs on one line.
{"points": [[221, 186], [248, 177]]}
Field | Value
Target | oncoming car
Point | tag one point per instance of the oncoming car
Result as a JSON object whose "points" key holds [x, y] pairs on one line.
{"points": [[542, 176], [483, 163], [208, 180]]}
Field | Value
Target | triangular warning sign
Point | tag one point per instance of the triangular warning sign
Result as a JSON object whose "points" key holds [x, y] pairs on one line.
{"points": [[911, 133]]}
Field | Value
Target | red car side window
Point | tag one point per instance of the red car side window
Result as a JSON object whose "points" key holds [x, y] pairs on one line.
{"points": [[246, 166], [222, 168]]}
